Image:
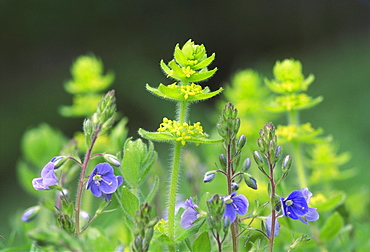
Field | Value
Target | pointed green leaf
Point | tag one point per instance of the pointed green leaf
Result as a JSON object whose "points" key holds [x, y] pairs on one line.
{"points": [[331, 227], [153, 191], [156, 136], [129, 201], [204, 63], [201, 76], [180, 56], [202, 243]]}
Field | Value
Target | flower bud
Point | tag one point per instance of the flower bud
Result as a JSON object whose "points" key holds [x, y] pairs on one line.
{"points": [[223, 161], [59, 161], [30, 213], [234, 186], [111, 159], [287, 163], [258, 159], [261, 145], [241, 142], [250, 181], [247, 164], [209, 176]]}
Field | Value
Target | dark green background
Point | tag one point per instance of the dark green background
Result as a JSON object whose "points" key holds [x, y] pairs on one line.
{"points": [[39, 40]]}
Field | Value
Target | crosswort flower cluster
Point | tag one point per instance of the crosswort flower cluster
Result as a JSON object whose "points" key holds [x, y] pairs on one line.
{"points": [[182, 131]]}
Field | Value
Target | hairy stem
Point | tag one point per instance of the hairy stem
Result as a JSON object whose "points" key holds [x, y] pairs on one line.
{"points": [[273, 203], [81, 181], [234, 225], [181, 117]]}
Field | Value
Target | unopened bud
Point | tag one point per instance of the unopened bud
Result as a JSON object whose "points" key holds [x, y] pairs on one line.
{"points": [[111, 159], [209, 176], [250, 181], [247, 164], [261, 145], [30, 213], [241, 142], [287, 163], [223, 161], [58, 161], [258, 159], [234, 186]]}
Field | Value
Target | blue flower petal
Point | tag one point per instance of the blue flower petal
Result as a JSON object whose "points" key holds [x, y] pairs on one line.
{"points": [[188, 217], [230, 212], [242, 204], [312, 214]]}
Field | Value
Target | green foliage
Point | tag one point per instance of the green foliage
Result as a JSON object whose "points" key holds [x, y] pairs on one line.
{"points": [[137, 160], [41, 143], [202, 243], [331, 227], [87, 84]]}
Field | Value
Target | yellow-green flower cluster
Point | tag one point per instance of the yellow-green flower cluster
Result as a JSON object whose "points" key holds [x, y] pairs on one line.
{"points": [[303, 133], [289, 82], [86, 85], [189, 64], [187, 90], [182, 131]]}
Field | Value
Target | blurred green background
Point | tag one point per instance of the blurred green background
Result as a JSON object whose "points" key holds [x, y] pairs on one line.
{"points": [[39, 40]]}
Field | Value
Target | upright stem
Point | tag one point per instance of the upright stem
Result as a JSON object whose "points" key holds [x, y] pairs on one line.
{"points": [[173, 190], [273, 212], [294, 120], [181, 117], [81, 181], [234, 225], [302, 178]]}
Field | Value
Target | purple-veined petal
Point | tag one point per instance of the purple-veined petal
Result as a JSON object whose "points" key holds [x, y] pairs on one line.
{"points": [[37, 184], [293, 195], [104, 169], [312, 214], [241, 202], [299, 206], [230, 212], [188, 217], [95, 190], [268, 226], [108, 185], [119, 180], [47, 169]]}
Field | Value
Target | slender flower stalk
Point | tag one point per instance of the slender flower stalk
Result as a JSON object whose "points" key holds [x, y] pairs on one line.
{"points": [[82, 180]]}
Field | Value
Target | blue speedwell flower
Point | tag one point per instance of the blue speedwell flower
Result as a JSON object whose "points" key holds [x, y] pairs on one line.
{"points": [[295, 206], [102, 181], [190, 214], [48, 178], [235, 204]]}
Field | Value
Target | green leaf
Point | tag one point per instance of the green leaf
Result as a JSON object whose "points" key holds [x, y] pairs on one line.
{"points": [[153, 191], [130, 202], [182, 233], [202, 243], [180, 56], [157, 136], [331, 227], [204, 63], [41, 144], [201, 76]]}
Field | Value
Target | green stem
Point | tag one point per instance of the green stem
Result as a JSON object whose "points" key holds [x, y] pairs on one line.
{"points": [[273, 206], [234, 225], [173, 190], [294, 120], [181, 117], [302, 178], [81, 181]]}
